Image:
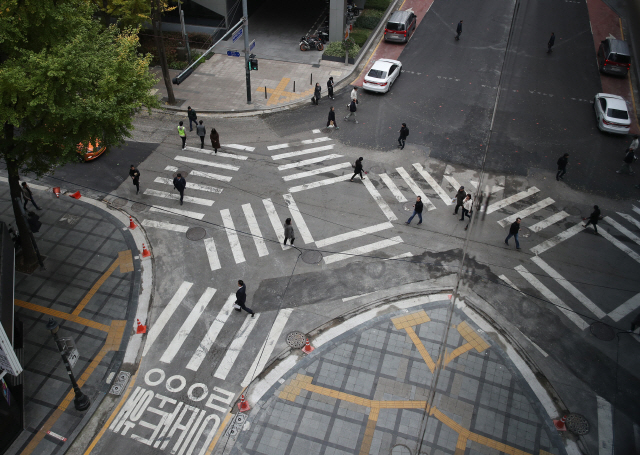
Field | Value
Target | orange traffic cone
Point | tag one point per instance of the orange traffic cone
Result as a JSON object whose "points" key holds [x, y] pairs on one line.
{"points": [[307, 347], [132, 225], [56, 191], [560, 425], [145, 252], [76, 195], [140, 328], [243, 405]]}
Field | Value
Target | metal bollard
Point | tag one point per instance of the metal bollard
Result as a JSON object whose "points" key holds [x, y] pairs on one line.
{"points": [[265, 92], [294, 86], [311, 81]]}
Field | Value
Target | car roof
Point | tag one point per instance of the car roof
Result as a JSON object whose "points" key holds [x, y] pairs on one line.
{"points": [[618, 46], [399, 16], [385, 63], [614, 101]]}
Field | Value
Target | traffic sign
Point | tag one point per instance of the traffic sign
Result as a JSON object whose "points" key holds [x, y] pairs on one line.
{"points": [[68, 348], [237, 34], [233, 53], [252, 45]]}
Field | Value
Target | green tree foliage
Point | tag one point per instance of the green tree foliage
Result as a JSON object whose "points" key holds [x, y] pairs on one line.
{"points": [[64, 80]]}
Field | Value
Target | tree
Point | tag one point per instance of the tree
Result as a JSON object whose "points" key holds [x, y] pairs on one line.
{"points": [[64, 80]]}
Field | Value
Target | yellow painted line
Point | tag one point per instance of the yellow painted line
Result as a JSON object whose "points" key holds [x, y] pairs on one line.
{"points": [[275, 98], [633, 98], [214, 441], [62, 315]]}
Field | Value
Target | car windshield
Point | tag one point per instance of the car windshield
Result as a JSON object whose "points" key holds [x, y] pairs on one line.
{"points": [[617, 113], [395, 26], [620, 58], [378, 74]]}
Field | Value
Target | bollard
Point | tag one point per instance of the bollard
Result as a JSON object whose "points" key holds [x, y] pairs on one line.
{"points": [[265, 92], [311, 81], [294, 86]]}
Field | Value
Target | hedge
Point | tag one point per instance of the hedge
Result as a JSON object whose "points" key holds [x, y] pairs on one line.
{"points": [[360, 35], [380, 5], [336, 49], [369, 22]]}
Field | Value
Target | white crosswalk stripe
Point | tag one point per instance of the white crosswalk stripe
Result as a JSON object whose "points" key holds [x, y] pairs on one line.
{"points": [[362, 250], [415, 188], [381, 202], [630, 219], [510, 283], [212, 254], [319, 183], [555, 240], [453, 182], [432, 182], [319, 159], [278, 226], [622, 229], [232, 235], [277, 146], [219, 154], [176, 197], [162, 225], [166, 315], [315, 140], [626, 308], [322, 170], [511, 199], [526, 212], [632, 254], [255, 230], [239, 147], [206, 175], [186, 159], [236, 346], [303, 152], [187, 213], [298, 219], [561, 215], [190, 185], [353, 234], [393, 188], [636, 209]]}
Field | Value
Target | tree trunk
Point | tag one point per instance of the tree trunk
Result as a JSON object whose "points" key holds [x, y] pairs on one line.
{"points": [[156, 22]]}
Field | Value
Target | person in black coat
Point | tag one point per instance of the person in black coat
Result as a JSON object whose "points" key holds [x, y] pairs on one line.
{"points": [[241, 298], [357, 169], [628, 159], [562, 166], [513, 232], [352, 111], [459, 198], [551, 42], [193, 118], [332, 118], [179, 183], [417, 210], [459, 30], [135, 176], [330, 87], [593, 219], [316, 93], [404, 132]]}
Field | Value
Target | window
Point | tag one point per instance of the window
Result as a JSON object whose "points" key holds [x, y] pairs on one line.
{"points": [[395, 26], [378, 74], [603, 104], [617, 113], [620, 58], [393, 68]]}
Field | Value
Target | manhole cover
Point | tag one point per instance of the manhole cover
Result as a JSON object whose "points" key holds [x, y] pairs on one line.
{"points": [[400, 449], [575, 211], [577, 424], [196, 233], [312, 257], [184, 174], [602, 331], [409, 206], [138, 207], [296, 340], [118, 203]]}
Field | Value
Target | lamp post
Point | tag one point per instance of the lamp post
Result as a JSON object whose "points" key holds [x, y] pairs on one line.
{"points": [[81, 401]]}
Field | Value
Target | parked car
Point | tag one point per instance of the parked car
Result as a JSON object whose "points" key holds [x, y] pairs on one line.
{"points": [[614, 57], [400, 26], [382, 75], [612, 113], [90, 152]]}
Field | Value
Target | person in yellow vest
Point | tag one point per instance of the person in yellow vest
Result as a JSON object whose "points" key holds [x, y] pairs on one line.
{"points": [[182, 131]]}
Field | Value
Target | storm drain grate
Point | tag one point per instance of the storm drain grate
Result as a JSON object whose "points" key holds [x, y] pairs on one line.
{"points": [[120, 383], [577, 424], [196, 233], [602, 331], [296, 340], [236, 425], [117, 203], [312, 257], [138, 207]]}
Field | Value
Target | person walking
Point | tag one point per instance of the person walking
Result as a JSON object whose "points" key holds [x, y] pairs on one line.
{"points": [[562, 166], [135, 176], [193, 118], [27, 195], [404, 132], [459, 31], [352, 111], [330, 87], [459, 199], [417, 210], [467, 207], [634, 143], [551, 42], [202, 132], [357, 169], [513, 232], [331, 121], [593, 219], [241, 298], [215, 140], [317, 93], [354, 94], [179, 183], [629, 158], [288, 232], [182, 131]]}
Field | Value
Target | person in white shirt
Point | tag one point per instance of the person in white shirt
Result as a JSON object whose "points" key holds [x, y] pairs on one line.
{"points": [[467, 205], [354, 94], [633, 146]]}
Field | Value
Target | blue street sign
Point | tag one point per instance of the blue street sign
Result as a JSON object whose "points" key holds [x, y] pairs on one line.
{"points": [[252, 45], [237, 34], [233, 53]]}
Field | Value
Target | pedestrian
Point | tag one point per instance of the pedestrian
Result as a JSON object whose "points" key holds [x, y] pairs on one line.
{"points": [[352, 111], [27, 195], [404, 132], [467, 207], [182, 131], [459, 30], [288, 231], [316, 93], [179, 183], [562, 166], [354, 94], [193, 118], [459, 199], [513, 232], [202, 132], [135, 176], [551, 42], [331, 121], [330, 87], [241, 298], [629, 158], [357, 169], [634, 144], [593, 219], [215, 140], [417, 210]]}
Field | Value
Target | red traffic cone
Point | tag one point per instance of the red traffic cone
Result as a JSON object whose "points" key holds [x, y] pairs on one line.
{"points": [[132, 225], [140, 328], [76, 195], [56, 191], [560, 425], [243, 405], [307, 347], [145, 252]]}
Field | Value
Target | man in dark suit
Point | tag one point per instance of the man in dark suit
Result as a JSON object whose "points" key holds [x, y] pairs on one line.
{"points": [[179, 183], [241, 298]]}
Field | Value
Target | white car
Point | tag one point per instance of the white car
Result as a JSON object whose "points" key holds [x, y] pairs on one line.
{"points": [[382, 75], [612, 113]]}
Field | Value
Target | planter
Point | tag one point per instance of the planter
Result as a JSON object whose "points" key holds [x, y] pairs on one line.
{"points": [[338, 59]]}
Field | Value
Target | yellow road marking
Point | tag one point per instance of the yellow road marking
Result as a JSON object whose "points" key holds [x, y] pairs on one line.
{"points": [[214, 441], [633, 98], [421, 349], [62, 315], [365, 447], [275, 97]]}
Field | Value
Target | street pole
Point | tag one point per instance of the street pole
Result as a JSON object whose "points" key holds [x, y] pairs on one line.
{"points": [[245, 26], [185, 37], [81, 401]]}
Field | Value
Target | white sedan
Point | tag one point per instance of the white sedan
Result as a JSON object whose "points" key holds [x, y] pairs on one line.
{"points": [[382, 75], [612, 113]]}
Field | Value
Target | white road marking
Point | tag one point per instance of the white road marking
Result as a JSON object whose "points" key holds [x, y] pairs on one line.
{"points": [[511, 199], [526, 212], [453, 182], [255, 230], [316, 140], [474, 184], [322, 170], [630, 219], [381, 202], [277, 146], [211, 335], [319, 159], [432, 182], [187, 326], [165, 226], [586, 301], [212, 153], [415, 188], [551, 297], [632, 254], [626, 308], [176, 197], [191, 186], [171, 169], [561, 215], [303, 152], [186, 159], [316, 131], [298, 219], [605, 427], [622, 229], [400, 256], [510, 283], [209, 175], [393, 188], [353, 297], [165, 210], [319, 183], [212, 254], [278, 226], [232, 235], [166, 314], [268, 346], [535, 345], [636, 209], [353, 234], [362, 250], [553, 241], [239, 147], [235, 347]]}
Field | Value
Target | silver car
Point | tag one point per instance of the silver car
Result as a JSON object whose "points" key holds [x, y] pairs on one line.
{"points": [[612, 113]]}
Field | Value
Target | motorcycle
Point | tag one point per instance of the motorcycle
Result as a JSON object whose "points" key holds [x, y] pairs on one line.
{"points": [[323, 34], [311, 42]]}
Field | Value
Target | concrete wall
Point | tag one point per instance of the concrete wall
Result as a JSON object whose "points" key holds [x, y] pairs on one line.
{"points": [[337, 19]]}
